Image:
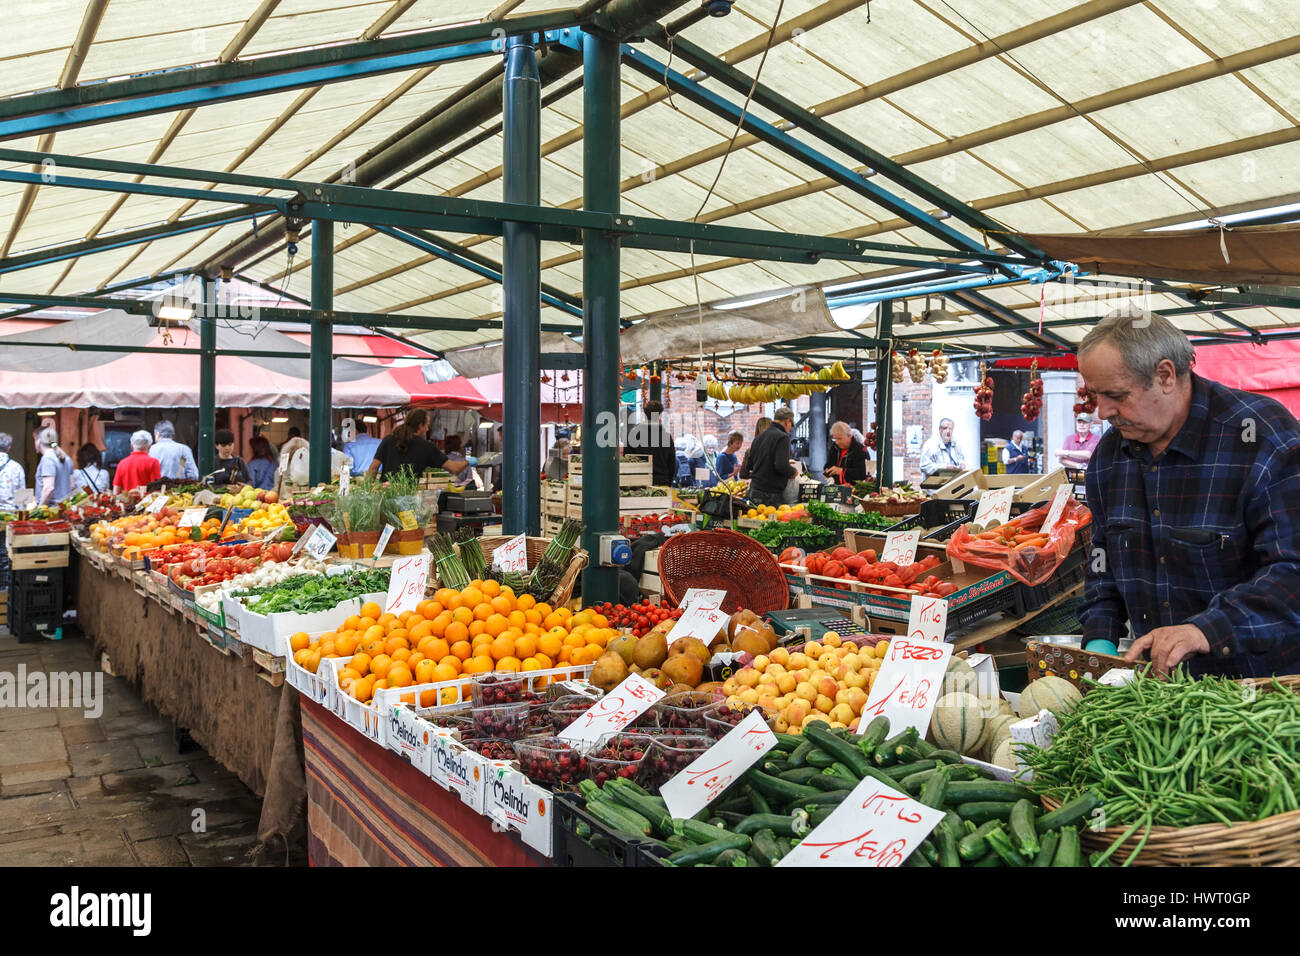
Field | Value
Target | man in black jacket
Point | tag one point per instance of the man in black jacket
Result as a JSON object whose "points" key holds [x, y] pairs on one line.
{"points": [[650, 437], [770, 466]]}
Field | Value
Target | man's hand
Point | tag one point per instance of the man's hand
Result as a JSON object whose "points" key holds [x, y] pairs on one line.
{"points": [[835, 470], [1169, 646]]}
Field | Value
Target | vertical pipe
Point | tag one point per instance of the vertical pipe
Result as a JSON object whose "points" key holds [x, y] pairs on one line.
{"points": [[322, 349], [600, 311], [207, 376], [884, 399], [521, 278], [656, 387], [816, 434]]}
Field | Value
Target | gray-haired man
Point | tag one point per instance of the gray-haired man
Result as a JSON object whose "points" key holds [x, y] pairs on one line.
{"points": [[175, 460]]}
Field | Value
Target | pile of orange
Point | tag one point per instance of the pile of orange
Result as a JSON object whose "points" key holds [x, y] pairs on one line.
{"points": [[480, 629], [140, 533]]}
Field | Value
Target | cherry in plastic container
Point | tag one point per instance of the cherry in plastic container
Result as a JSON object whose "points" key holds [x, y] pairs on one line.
{"points": [[550, 762], [566, 710], [508, 721], [493, 748], [618, 755], [685, 711], [670, 755], [498, 687], [722, 718]]}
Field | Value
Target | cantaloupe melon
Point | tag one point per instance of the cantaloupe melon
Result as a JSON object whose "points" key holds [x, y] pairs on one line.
{"points": [[960, 678], [1049, 693], [1003, 757], [997, 730], [958, 723]]}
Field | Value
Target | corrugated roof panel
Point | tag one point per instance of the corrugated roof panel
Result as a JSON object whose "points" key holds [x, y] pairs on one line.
{"points": [[884, 128], [1036, 216], [963, 176], [1277, 81], [158, 41], [973, 98], [1074, 147], [887, 45], [293, 21], [1256, 176], [1229, 28], [32, 71], [800, 75]]}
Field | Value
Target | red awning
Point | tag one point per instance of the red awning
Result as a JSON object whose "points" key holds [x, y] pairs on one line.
{"points": [[1046, 363], [1272, 369]]}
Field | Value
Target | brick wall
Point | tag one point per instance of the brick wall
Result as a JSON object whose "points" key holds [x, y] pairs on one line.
{"points": [[683, 416]]}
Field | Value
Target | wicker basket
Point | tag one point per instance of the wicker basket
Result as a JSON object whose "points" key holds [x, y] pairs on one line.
{"points": [[1273, 841], [536, 548], [723, 559]]}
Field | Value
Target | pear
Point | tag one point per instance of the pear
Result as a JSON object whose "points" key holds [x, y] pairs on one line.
{"points": [[624, 645], [609, 672], [650, 651]]}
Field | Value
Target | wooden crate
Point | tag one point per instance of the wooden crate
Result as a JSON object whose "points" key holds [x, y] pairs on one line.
{"points": [[33, 551], [1029, 488], [635, 473]]}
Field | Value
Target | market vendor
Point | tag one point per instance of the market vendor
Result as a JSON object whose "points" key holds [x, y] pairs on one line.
{"points": [[409, 445], [771, 467], [1078, 448], [1195, 498], [230, 468], [851, 465]]}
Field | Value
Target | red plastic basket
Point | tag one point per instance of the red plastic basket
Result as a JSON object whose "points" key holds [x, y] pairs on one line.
{"points": [[723, 559]]}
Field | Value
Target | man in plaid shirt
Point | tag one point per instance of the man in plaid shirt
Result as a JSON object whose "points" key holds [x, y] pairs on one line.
{"points": [[1195, 498]]}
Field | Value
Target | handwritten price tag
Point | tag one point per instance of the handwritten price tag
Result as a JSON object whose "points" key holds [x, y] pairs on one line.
{"points": [[406, 583], [513, 555], [900, 547], [383, 540], [994, 504], [875, 825], [717, 768], [622, 705], [928, 619], [710, 598], [157, 505], [191, 517], [908, 685], [702, 615], [1058, 508], [320, 542]]}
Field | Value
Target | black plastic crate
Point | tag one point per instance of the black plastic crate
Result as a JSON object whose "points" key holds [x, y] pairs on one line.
{"points": [[1005, 599], [582, 840], [1068, 575], [36, 580], [647, 854], [29, 628], [35, 601], [944, 511]]}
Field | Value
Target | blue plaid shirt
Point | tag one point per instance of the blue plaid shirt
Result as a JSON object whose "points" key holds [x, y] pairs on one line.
{"points": [[1208, 534]]}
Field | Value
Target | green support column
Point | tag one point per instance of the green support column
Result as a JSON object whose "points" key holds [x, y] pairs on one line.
{"points": [[656, 388], [521, 280], [600, 312], [322, 349], [884, 400], [208, 376]]}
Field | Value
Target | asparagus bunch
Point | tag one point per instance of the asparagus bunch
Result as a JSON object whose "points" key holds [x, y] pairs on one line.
{"points": [[471, 554], [547, 575], [451, 570]]}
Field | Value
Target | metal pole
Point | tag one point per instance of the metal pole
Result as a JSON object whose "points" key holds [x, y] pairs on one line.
{"points": [[816, 434], [322, 350], [521, 278], [600, 306], [208, 375], [884, 401], [656, 387]]}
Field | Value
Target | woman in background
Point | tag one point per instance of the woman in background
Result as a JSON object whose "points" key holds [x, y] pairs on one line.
{"points": [[89, 474], [54, 473], [261, 466]]}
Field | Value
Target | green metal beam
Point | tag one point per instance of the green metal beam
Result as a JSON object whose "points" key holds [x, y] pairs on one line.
{"points": [[322, 343], [207, 376], [884, 401]]}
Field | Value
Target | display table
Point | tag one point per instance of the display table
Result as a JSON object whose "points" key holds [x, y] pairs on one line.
{"points": [[248, 726], [366, 806]]}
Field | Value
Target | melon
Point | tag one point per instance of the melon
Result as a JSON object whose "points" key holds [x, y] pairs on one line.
{"points": [[1049, 693], [1003, 757], [960, 678], [958, 723], [998, 729]]}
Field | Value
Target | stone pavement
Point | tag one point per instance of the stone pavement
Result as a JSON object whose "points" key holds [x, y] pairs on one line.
{"points": [[112, 790]]}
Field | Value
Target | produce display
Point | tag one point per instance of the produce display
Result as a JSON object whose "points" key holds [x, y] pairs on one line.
{"points": [[866, 567], [638, 618], [271, 571], [39, 527], [900, 494], [771, 534], [1173, 753], [777, 513], [458, 559], [195, 565], [984, 394], [743, 394], [304, 594]]}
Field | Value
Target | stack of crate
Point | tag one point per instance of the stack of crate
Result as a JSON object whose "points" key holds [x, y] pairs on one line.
{"points": [[633, 472], [35, 605], [554, 506]]}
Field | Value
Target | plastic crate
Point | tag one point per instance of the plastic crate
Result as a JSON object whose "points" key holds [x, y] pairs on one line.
{"points": [[582, 840], [29, 628], [1068, 575], [34, 601]]}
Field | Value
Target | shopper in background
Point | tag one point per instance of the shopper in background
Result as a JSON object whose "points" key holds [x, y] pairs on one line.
{"points": [[261, 466], [175, 460], [138, 468], [452, 448], [230, 468], [89, 474], [295, 432], [760, 426], [1195, 498], [408, 446], [1016, 455], [557, 460], [851, 465], [1078, 448], [12, 476], [361, 450], [728, 463], [710, 461], [54, 471], [771, 467], [650, 437], [940, 452]]}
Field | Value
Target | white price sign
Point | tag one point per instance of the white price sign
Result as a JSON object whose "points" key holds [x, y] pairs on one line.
{"points": [[995, 504], [875, 826], [383, 540], [320, 542], [927, 620], [191, 517], [908, 684], [717, 768], [513, 555], [157, 505], [900, 547], [702, 615], [1058, 508], [622, 705], [345, 482], [406, 583]]}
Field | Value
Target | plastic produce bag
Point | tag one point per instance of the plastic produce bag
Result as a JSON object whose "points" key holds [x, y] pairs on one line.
{"points": [[1027, 560]]}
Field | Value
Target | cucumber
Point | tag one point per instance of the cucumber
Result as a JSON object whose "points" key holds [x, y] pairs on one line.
{"points": [[973, 845], [981, 811], [873, 736], [1070, 814], [902, 770], [777, 789], [760, 803], [933, 787], [924, 748], [788, 743], [590, 790], [767, 847], [885, 753], [913, 782], [961, 771], [817, 817], [917, 859], [636, 787], [1001, 844], [946, 756], [696, 831], [708, 852], [620, 818], [832, 798], [680, 842], [731, 858], [1047, 848], [828, 781], [718, 822], [947, 847], [909, 753], [989, 859], [838, 771], [645, 806], [928, 850], [1067, 851], [803, 775], [1021, 827], [837, 747], [796, 824], [964, 791], [799, 757], [820, 759]]}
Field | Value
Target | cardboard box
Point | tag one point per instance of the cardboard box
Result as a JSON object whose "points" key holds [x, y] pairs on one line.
{"points": [[515, 804]]}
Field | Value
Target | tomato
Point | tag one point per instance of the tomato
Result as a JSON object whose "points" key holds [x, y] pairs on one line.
{"points": [[869, 555], [833, 569]]}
